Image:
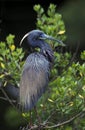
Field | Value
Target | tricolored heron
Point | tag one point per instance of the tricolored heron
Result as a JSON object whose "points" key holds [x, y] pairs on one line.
{"points": [[35, 74]]}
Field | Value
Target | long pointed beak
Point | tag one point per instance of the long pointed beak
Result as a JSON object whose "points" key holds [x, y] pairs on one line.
{"points": [[23, 38], [44, 37]]}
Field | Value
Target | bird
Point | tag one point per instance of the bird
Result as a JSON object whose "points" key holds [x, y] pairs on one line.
{"points": [[36, 69]]}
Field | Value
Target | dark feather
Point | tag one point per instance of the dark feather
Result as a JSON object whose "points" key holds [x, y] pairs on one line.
{"points": [[35, 77]]}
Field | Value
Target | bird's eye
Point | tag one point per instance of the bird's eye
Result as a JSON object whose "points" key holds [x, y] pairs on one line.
{"points": [[41, 34], [35, 38]]}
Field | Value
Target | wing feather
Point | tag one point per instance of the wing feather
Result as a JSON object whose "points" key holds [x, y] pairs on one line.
{"points": [[34, 80]]}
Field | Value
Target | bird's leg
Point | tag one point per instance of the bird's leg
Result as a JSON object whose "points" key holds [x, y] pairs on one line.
{"points": [[38, 117], [30, 122]]}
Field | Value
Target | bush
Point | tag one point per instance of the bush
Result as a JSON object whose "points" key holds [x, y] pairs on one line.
{"points": [[10, 62], [65, 98], [62, 107]]}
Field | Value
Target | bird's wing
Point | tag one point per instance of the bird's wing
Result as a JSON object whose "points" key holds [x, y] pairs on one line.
{"points": [[33, 81]]}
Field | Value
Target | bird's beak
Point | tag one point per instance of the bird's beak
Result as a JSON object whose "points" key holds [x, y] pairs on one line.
{"points": [[23, 38], [44, 37]]}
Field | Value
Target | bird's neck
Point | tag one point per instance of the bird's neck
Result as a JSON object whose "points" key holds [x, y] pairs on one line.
{"points": [[47, 51]]}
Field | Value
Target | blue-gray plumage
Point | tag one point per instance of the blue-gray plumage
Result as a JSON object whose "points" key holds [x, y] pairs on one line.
{"points": [[34, 79], [35, 74]]}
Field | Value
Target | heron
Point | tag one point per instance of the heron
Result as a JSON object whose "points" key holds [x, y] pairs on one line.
{"points": [[36, 69]]}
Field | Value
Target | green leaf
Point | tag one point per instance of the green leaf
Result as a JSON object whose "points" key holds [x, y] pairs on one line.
{"points": [[10, 39]]}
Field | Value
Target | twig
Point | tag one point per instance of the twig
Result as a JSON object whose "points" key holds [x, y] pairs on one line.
{"points": [[49, 117], [74, 55], [7, 97], [3, 98], [65, 122], [33, 127], [45, 124]]}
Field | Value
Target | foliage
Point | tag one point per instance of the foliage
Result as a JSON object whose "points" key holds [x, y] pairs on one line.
{"points": [[65, 96], [51, 23], [10, 61], [63, 104]]}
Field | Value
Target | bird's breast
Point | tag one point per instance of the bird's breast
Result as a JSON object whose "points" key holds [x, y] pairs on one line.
{"points": [[34, 79], [37, 61]]}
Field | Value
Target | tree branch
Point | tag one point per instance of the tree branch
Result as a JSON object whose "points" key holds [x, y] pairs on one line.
{"points": [[65, 122], [5, 99], [9, 100], [45, 124]]}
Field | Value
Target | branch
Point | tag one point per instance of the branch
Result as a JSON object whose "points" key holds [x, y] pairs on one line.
{"points": [[7, 97], [45, 124], [65, 122], [75, 53], [50, 116]]}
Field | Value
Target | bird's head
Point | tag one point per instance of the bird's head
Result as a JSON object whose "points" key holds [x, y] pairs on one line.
{"points": [[36, 38]]}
